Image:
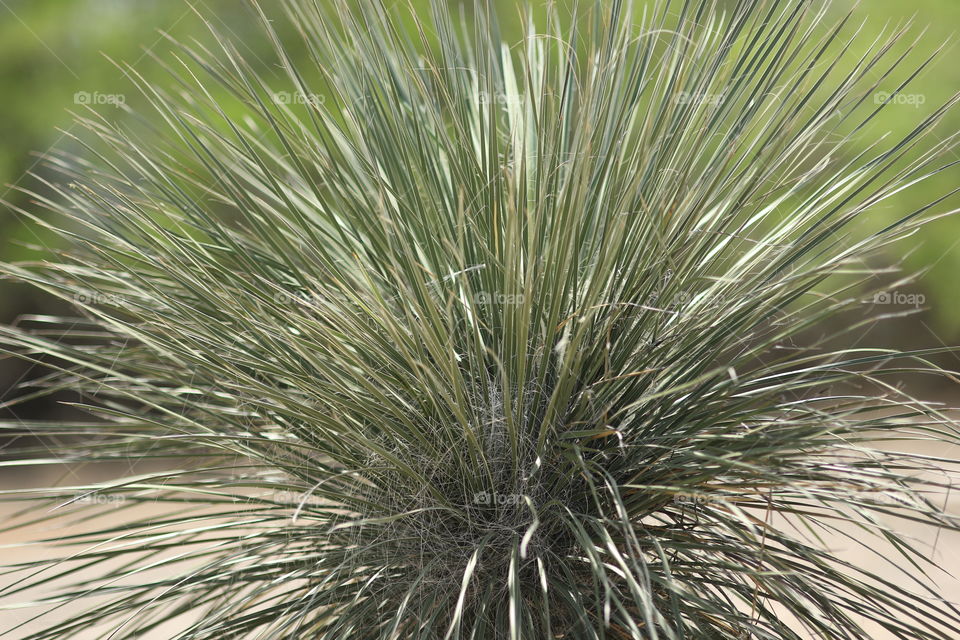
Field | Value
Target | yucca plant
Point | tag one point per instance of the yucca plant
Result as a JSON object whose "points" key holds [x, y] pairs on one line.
{"points": [[486, 340]]}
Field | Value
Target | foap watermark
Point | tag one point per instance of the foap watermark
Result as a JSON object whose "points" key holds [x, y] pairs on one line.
{"points": [[911, 99], [899, 298], [296, 499], [884, 498], [695, 498], [100, 498], [97, 98], [485, 97], [686, 97], [298, 299], [496, 297], [499, 499], [98, 298], [682, 299], [298, 97]]}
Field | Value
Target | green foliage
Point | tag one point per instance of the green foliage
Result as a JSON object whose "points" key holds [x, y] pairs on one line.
{"points": [[52, 52], [468, 340]]}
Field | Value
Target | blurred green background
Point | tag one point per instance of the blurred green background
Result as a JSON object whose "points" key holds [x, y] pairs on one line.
{"points": [[55, 55], [56, 58]]}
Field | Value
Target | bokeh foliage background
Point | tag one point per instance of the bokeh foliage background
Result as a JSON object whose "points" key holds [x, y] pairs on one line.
{"points": [[52, 51]]}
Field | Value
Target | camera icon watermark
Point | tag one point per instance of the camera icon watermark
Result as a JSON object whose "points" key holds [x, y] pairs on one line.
{"points": [[97, 98]]}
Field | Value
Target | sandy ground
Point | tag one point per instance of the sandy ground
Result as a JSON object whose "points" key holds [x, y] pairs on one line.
{"points": [[20, 622], [943, 547]]}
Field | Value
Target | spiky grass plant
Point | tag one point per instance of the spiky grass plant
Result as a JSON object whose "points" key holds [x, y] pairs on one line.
{"points": [[483, 340]]}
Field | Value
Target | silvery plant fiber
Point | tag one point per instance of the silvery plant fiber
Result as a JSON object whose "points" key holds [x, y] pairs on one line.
{"points": [[437, 333]]}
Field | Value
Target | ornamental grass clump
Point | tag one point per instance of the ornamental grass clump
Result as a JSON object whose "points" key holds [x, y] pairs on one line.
{"points": [[473, 339]]}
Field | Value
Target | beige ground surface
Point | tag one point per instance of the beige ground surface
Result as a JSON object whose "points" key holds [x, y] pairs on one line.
{"points": [[944, 549]]}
